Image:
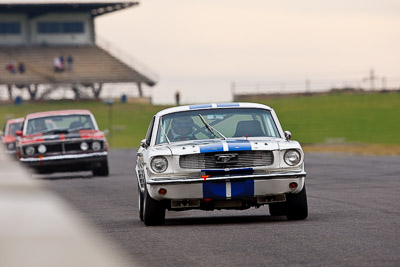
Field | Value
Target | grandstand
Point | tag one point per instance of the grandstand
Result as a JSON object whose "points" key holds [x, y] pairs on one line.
{"points": [[36, 33]]}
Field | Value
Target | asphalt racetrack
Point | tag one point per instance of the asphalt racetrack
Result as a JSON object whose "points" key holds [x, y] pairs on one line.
{"points": [[354, 218]]}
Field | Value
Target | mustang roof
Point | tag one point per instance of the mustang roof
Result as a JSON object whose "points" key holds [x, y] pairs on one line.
{"points": [[58, 112], [212, 106]]}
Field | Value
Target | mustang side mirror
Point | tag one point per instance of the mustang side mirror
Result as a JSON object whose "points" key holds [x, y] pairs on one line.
{"points": [[18, 133], [288, 135], [144, 143]]}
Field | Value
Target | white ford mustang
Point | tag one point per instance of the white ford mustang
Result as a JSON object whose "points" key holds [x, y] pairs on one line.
{"points": [[219, 156]]}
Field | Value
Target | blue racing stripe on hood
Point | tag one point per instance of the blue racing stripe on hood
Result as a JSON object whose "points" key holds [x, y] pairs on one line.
{"points": [[214, 147], [238, 145]]}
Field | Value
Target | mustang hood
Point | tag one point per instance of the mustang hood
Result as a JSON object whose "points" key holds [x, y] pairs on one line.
{"points": [[216, 145]]}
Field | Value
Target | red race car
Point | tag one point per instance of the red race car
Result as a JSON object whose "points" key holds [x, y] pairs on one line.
{"points": [[9, 134], [63, 141]]}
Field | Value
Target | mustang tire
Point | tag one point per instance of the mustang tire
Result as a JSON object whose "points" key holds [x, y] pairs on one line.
{"points": [[277, 209], [153, 211], [102, 170], [140, 194], [296, 205]]}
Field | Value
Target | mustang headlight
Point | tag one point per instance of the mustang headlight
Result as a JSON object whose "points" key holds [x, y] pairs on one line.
{"points": [[292, 157], [159, 164], [42, 149], [84, 146], [11, 146], [96, 146], [30, 150]]}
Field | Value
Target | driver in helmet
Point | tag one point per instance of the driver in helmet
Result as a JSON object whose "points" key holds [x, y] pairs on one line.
{"points": [[182, 129], [40, 125]]}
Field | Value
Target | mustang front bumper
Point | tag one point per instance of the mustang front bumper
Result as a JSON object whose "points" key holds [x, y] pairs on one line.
{"points": [[226, 187]]}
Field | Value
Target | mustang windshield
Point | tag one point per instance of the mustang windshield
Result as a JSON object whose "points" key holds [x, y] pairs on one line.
{"points": [[58, 124], [230, 122]]}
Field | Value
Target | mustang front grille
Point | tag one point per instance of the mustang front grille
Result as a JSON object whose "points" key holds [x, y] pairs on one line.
{"points": [[222, 160]]}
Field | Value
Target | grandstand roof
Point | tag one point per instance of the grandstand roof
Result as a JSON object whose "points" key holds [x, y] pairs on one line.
{"points": [[37, 8]]}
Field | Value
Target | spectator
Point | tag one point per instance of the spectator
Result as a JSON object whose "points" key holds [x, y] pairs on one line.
{"points": [[70, 61], [124, 98], [21, 68], [11, 67], [62, 62], [57, 65], [177, 98]]}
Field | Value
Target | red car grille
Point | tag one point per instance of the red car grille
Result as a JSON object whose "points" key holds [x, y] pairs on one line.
{"points": [[65, 148]]}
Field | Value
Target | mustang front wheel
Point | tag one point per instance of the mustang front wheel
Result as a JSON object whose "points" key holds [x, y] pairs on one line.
{"points": [[140, 193], [153, 210], [296, 205], [277, 209]]}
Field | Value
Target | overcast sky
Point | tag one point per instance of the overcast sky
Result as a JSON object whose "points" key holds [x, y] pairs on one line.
{"points": [[201, 47]]}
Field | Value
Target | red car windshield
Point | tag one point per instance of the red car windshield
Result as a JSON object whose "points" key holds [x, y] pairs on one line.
{"points": [[65, 123], [12, 128]]}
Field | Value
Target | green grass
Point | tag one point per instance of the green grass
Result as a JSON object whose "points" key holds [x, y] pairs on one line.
{"points": [[366, 118]]}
